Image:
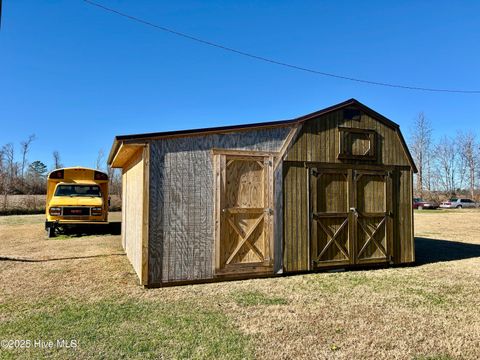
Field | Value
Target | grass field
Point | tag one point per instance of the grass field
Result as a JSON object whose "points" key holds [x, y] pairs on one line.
{"points": [[84, 289]]}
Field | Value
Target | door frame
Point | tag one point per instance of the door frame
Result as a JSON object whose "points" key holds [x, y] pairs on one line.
{"points": [[352, 191], [387, 214], [317, 172], [220, 162]]}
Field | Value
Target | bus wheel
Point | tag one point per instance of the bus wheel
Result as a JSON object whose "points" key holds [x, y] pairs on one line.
{"points": [[50, 232]]}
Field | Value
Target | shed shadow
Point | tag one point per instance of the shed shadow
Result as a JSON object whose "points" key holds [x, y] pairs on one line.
{"points": [[112, 228], [429, 251]]}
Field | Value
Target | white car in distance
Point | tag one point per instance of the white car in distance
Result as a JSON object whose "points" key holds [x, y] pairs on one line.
{"points": [[455, 203]]}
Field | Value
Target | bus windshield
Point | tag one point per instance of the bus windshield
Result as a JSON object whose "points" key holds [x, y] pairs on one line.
{"points": [[78, 190]]}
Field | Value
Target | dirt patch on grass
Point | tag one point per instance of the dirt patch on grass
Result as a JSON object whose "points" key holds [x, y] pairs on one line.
{"points": [[428, 311], [23, 236]]}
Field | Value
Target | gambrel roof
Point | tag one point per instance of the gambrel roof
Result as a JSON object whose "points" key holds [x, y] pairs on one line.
{"points": [[141, 138]]}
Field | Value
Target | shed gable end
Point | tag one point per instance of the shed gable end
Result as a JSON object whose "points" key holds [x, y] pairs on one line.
{"points": [[349, 136]]}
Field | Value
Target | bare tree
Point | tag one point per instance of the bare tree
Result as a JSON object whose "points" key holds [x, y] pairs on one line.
{"points": [[421, 140], [10, 170], [25, 148], [446, 160], [3, 174], [115, 181], [57, 162], [8, 152], [100, 163], [469, 154]]}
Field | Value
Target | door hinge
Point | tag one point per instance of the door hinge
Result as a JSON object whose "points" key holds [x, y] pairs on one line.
{"points": [[269, 211], [314, 171]]}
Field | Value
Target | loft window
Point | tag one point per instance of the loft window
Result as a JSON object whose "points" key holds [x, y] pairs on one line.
{"points": [[357, 144]]}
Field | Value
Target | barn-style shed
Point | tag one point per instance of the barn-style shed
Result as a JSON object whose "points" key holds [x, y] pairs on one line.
{"points": [[328, 189]]}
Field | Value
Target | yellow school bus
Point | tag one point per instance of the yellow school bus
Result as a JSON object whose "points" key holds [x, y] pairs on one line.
{"points": [[75, 196]]}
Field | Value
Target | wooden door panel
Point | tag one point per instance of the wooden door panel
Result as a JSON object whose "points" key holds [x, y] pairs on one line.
{"points": [[245, 184], [371, 238], [244, 206], [330, 241], [373, 218]]}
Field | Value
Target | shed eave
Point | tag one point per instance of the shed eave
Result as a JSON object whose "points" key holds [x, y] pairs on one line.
{"points": [[134, 138], [123, 153]]}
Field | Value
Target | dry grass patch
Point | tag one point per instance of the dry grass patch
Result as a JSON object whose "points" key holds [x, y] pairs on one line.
{"points": [[255, 298], [422, 312]]}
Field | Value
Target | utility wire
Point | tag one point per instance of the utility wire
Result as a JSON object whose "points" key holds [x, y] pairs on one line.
{"points": [[264, 59]]}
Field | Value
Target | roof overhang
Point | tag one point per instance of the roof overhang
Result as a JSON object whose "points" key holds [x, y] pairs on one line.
{"points": [[125, 145], [123, 153]]}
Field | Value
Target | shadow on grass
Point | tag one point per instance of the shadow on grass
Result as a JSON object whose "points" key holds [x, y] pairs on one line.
{"points": [[112, 228], [9, 258], [428, 251]]}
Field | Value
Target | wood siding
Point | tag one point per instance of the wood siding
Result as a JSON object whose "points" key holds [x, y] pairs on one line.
{"points": [[404, 220], [319, 141], [296, 224], [181, 226], [132, 210], [318, 144]]}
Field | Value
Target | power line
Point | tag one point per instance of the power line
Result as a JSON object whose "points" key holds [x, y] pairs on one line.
{"points": [[264, 59]]}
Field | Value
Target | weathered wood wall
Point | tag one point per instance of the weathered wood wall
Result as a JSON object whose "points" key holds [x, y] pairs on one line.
{"points": [[318, 142], [295, 235], [403, 222], [132, 210], [181, 228]]}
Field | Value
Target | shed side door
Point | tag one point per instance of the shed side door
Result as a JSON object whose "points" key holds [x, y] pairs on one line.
{"points": [[331, 241], [243, 214], [373, 213]]}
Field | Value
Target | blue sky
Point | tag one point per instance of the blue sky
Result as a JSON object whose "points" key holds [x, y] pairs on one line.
{"points": [[76, 76]]}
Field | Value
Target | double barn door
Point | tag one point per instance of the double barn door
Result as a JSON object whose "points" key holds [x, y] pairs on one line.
{"points": [[351, 216]]}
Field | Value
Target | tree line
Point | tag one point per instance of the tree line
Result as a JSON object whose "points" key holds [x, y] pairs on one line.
{"points": [[447, 167], [19, 176]]}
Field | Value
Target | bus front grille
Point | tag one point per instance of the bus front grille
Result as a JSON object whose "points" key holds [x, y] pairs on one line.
{"points": [[76, 211]]}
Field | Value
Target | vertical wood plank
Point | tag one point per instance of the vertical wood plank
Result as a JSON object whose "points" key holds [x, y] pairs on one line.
{"points": [[271, 205], [352, 219], [217, 212], [146, 214]]}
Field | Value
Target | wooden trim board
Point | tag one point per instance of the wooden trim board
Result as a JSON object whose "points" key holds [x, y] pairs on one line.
{"points": [[246, 153], [146, 214], [286, 144]]}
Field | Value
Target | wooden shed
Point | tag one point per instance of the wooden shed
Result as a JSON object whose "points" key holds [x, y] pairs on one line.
{"points": [[325, 190]]}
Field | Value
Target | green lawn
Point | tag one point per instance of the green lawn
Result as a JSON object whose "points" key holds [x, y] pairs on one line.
{"points": [[116, 328], [84, 289]]}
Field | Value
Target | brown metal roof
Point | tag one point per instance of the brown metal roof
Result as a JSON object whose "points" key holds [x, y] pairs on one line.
{"points": [[225, 129]]}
